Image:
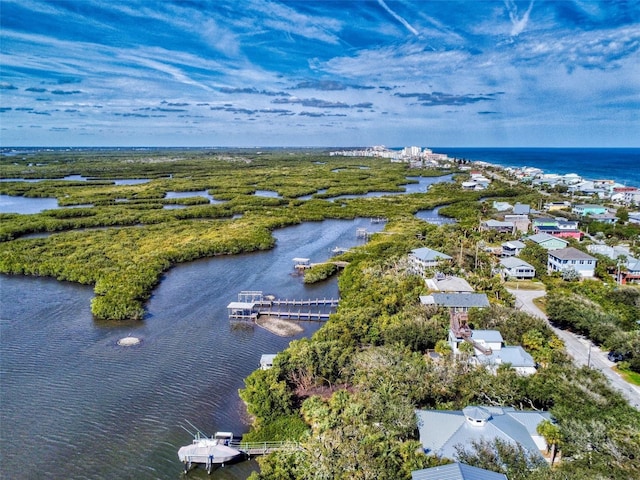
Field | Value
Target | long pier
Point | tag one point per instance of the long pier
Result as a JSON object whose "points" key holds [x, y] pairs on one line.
{"points": [[253, 304], [263, 448]]}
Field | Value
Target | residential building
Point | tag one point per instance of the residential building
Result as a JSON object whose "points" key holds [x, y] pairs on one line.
{"points": [[514, 267], [457, 302], [447, 283], [571, 259], [609, 218], [543, 222], [266, 361], [554, 206], [504, 227], [521, 209], [441, 431], [456, 471], [512, 248], [585, 210], [520, 222], [423, 259], [560, 232], [502, 206], [548, 242]]}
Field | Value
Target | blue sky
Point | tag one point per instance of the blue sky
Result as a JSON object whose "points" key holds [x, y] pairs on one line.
{"points": [[319, 73]]}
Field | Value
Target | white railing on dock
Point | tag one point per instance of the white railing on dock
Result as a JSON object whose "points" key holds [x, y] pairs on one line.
{"points": [[263, 448]]}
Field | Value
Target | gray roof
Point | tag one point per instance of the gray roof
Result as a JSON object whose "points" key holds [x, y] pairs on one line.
{"points": [[514, 355], [514, 262], [493, 336], [427, 254], [498, 223], [449, 284], [442, 430], [520, 208], [571, 253], [465, 300], [514, 244], [456, 471], [544, 237]]}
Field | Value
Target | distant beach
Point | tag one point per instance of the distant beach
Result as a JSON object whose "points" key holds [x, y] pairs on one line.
{"points": [[619, 164]]}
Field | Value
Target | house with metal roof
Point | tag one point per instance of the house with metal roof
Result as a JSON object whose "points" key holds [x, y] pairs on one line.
{"points": [[589, 210], [490, 351], [456, 471], [548, 242], [512, 248], [571, 258], [448, 283], [514, 267], [423, 259], [458, 302], [441, 431], [497, 225], [521, 209], [266, 361], [514, 355]]}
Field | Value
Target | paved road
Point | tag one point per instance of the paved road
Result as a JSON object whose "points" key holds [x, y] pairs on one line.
{"points": [[581, 349]]}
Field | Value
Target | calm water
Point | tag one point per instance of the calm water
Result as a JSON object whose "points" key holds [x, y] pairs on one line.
{"points": [[75, 405]]}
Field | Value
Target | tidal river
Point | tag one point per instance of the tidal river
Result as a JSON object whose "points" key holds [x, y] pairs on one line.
{"points": [[75, 405]]}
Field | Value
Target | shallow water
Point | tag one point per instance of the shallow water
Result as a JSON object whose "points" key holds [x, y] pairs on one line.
{"points": [[77, 405]]}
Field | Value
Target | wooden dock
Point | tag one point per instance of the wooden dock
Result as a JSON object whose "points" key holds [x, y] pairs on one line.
{"points": [[264, 448], [253, 304]]}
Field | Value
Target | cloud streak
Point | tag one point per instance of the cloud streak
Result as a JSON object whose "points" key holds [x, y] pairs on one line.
{"points": [[122, 72]]}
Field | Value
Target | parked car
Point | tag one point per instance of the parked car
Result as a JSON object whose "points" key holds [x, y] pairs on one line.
{"points": [[617, 356]]}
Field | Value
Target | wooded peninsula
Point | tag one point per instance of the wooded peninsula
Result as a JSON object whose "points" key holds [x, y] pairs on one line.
{"points": [[347, 395]]}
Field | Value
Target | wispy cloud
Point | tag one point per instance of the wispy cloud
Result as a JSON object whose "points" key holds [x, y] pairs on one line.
{"points": [[518, 23], [398, 18], [119, 71]]}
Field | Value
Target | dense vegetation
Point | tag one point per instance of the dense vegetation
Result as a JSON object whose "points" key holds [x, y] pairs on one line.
{"points": [[348, 394]]}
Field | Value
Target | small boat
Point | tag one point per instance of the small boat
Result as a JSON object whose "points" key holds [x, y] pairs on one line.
{"points": [[211, 451]]}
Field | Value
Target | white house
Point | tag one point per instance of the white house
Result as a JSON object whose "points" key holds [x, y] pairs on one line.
{"points": [[422, 259], [512, 248], [571, 259], [514, 267]]}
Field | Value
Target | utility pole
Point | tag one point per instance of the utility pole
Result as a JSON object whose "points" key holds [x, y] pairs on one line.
{"points": [[589, 357]]}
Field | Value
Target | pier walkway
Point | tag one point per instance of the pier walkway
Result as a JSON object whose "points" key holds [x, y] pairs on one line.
{"points": [[253, 304], [264, 448]]}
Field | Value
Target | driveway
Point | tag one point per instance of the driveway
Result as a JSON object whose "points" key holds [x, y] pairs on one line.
{"points": [[581, 349]]}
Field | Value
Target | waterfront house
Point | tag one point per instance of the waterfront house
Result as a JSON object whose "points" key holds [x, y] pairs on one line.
{"points": [[423, 259], [512, 248], [571, 258], [266, 361], [585, 210], [514, 267], [548, 242], [441, 431], [456, 471]]}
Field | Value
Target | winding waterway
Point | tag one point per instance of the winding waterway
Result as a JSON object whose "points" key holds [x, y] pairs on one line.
{"points": [[75, 405]]}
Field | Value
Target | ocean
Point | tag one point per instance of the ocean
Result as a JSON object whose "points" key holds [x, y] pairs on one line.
{"points": [[619, 164]]}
